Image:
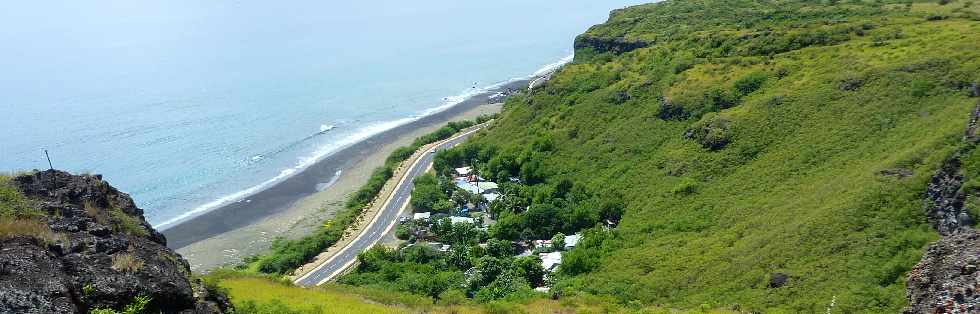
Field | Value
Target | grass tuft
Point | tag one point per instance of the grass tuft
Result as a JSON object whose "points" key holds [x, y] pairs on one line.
{"points": [[126, 262]]}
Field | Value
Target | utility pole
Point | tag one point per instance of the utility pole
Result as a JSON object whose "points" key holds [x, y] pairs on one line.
{"points": [[49, 159], [54, 178]]}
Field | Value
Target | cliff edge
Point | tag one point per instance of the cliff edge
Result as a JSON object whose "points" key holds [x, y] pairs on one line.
{"points": [[87, 246]]}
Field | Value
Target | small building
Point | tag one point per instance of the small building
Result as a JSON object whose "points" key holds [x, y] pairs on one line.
{"points": [[486, 187], [463, 171], [422, 216], [437, 246], [572, 240], [541, 243], [491, 197], [457, 220], [550, 261]]}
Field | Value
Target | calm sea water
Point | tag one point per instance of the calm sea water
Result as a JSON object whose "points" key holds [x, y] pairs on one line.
{"points": [[185, 104]]}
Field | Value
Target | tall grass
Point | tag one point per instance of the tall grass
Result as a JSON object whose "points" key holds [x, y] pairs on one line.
{"points": [[126, 262], [13, 204], [27, 227]]}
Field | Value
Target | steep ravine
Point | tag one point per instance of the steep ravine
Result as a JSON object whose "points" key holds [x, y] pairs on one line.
{"points": [[98, 253], [946, 280]]}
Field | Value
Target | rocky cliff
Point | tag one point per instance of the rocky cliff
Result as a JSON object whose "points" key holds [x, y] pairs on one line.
{"points": [[600, 44], [946, 280], [99, 253]]}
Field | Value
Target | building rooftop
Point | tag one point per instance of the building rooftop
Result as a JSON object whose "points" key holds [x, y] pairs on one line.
{"points": [[457, 219], [572, 240], [549, 261], [485, 185], [464, 171], [491, 197]]}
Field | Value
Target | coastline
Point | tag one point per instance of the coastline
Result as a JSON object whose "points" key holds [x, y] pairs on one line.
{"points": [[295, 206]]}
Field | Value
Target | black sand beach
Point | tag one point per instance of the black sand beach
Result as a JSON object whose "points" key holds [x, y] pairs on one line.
{"points": [[285, 193]]}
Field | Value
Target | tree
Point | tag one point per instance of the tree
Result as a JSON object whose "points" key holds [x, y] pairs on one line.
{"points": [[530, 268], [403, 232], [508, 282], [442, 227], [462, 233], [490, 267], [375, 257], [500, 248], [420, 254], [508, 227], [459, 257], [558, 241], [443, 206], [460, 197], [427, 192]]}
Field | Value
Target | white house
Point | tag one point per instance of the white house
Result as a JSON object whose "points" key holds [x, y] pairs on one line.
{"points": [[457, 219], [464, 171], [549, 261], [572, 240], [491, 197], [486, 187], [541, 243]]}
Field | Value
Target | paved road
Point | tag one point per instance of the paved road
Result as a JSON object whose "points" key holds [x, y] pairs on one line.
{"points": [[378, 227]]}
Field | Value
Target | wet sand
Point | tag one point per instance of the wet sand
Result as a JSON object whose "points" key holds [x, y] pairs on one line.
{"points": [[294, 207]]}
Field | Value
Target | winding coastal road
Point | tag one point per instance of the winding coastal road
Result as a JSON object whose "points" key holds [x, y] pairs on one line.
{"points": [[383, 221]]}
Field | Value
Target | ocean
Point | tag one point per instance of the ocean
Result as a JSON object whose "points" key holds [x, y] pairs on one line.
{"points": [[187, 105]]}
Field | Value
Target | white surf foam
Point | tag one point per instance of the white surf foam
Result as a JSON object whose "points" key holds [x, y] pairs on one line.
{"points": [[303, 163], [358, 136]]}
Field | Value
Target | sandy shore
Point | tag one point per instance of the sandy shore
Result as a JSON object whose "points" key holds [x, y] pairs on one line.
{"points": [[230, 233]]}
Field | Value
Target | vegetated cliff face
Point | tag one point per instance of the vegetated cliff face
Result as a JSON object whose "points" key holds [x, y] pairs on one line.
{"points": [[758, 140], [99, 253]]}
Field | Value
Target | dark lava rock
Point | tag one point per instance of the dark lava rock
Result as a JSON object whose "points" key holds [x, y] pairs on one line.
{"points": [[615, 45], [946, 280], [777, 280], [102, 254]]}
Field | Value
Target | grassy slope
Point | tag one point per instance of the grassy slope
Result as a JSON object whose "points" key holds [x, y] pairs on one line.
{"points": [[800, 188], [263, 291], [243, 288]]}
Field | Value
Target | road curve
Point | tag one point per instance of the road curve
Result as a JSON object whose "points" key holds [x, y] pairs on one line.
{"points": [[381, 223]]}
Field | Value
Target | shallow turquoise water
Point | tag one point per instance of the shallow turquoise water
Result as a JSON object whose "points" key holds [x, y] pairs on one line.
{"points": [[184, 103]]}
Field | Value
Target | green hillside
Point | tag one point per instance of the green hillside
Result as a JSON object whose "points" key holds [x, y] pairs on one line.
{"points": [[747, 139]]}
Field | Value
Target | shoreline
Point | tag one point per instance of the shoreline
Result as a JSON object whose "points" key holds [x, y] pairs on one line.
{"points": [[235, 230]]}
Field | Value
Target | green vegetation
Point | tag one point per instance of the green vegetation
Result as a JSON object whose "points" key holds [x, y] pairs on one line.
{"points": [[748, 138], [126, 223], [18, 217], [252, 293], [287, 255], [138, 306], [492, 272], [701, 148], [429, 195], [13, 204]]}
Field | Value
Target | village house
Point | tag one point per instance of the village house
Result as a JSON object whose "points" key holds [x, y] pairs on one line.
{"points": [[463, 171], [457, 219], [550, 261], [571, 241], [541, 244]]}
